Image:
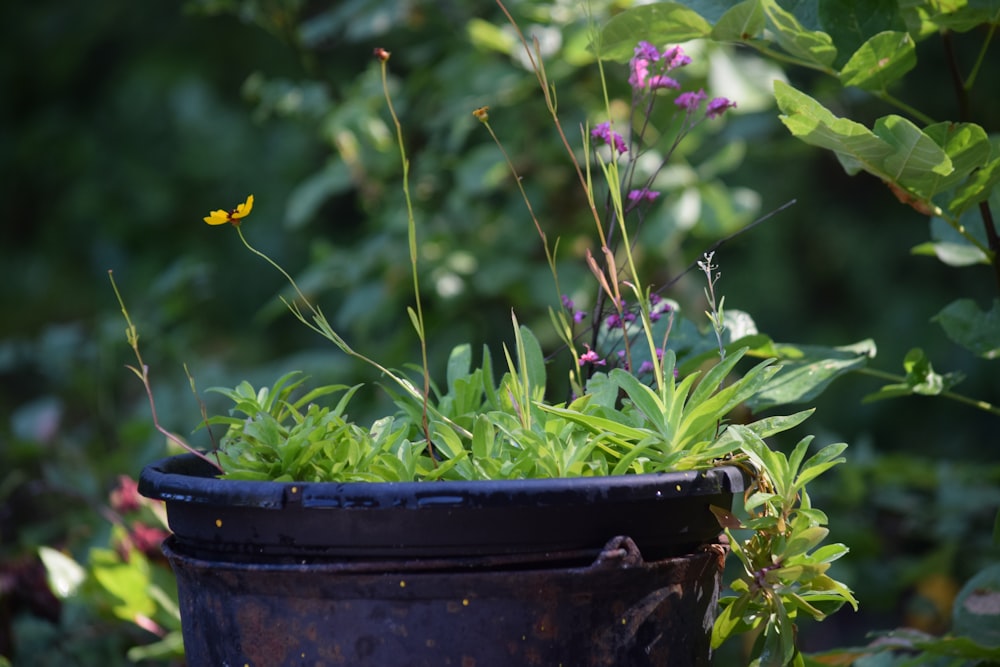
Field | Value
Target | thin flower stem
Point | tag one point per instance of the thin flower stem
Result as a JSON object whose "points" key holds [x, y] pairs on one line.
{"points": [[321, 325], [550, 103], [527, 202], [411, 227], [142, 372]]}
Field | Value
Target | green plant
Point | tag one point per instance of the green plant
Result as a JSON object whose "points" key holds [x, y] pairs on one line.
{"points": [[644, 414]]}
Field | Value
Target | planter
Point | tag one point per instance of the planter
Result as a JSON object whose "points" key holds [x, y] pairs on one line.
{"points": [[587, 571]]}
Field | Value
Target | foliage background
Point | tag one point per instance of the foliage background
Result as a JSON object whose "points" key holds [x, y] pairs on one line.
{"points": [[121, 127]]}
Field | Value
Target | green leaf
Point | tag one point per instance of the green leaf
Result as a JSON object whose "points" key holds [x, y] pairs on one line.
{"points": [[459, 362], [126, 581], [812, 47], [977, 608], [307, 198], [916, 161], [972, 328], [806, 371], [64, 574], [949, 246], [659, 23], [813, 123], [740, 23], [730, 620], [851, 23], [645, 399], [486, 35], [819, 463], [967, 146], [921, 378], [977, 188], [895, 150], [880, 61], [531, 361]]}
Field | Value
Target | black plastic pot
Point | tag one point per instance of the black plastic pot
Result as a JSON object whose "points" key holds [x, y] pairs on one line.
{"points": [[620, 571]]}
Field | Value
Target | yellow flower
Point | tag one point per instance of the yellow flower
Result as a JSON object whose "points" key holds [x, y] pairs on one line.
{"points": [[221, 217]]}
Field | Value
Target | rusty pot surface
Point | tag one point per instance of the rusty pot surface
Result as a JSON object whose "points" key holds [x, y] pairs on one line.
{"points": [[617, 610]]}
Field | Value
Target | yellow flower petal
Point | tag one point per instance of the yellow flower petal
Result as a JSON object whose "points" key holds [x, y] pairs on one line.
{"points": [[243, 210], [219, 217]]}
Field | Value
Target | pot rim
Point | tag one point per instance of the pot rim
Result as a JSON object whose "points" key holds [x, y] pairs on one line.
{"points": [[186, 478]]}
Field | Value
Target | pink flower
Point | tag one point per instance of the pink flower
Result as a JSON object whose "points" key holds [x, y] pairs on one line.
{"points": [[591, 357]]}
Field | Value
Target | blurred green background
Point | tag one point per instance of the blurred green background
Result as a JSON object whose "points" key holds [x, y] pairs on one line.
{"points": [[122, 124]]}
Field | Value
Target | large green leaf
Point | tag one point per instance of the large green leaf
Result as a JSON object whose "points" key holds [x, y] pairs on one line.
{"points": [[812, 47], [917, 162], [977, 188], [880, 61], [807, 370], [813, 123], [895, 150], [972, 328], [967, 146], [851, 23], [741, 22], [964, 16], [659, 23]]}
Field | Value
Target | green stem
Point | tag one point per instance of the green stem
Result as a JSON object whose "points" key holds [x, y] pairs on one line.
{"points": [[904, 107], [967, 235], [411, 227], [959, 398], [974, 72]]}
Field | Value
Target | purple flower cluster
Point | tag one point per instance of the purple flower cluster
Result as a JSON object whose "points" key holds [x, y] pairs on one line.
{"points": [[645, 194], [649, 67], [691, 101]]}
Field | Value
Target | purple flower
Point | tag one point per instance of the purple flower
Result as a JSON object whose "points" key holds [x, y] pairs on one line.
{"points": [[645, 194], [690, 101], [604, 132], [647, 51], [645, 367], [578, 315], [675, 57], [718, 106], [663, 81]]}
